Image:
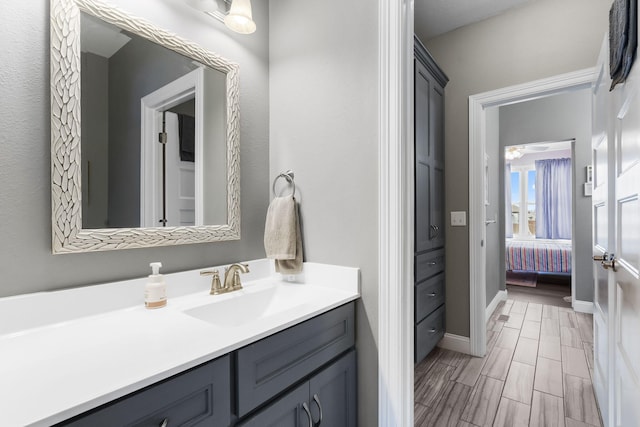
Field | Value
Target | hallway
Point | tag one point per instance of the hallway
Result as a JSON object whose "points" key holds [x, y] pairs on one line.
{"points": [[537, 372]]}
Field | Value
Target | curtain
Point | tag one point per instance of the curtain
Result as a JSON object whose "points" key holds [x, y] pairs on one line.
{"points": [[508, 216], [553, 199]]}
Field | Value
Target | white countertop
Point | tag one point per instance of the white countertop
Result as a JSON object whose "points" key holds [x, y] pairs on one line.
{"points": [[63, 353]]}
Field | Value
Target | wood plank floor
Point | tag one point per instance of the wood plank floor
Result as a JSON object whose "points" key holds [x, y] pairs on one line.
{"points": [[537, 372]]}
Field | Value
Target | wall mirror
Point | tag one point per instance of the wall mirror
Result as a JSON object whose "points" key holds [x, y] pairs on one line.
{"points": [[144, 134]]}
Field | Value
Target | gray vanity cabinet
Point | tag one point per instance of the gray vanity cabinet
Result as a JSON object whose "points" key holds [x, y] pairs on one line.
{"points": [[266, 383], [198, 397], [328, 397], [429, 291]]}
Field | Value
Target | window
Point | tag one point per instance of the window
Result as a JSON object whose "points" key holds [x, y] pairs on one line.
{"points": [[523, 201]]}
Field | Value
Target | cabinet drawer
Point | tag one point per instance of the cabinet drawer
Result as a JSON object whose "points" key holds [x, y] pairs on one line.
{"points": [[429, 295], [268, 366], [429, 264], [199, 397], [428, 333]]}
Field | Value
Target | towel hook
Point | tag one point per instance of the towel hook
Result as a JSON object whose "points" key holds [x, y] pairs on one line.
{"points": [[288, 176]]}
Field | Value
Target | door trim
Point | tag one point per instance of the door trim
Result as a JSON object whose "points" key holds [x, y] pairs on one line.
{"points": [[395, 213], [583, 306], [454, 342], [477, 231]]}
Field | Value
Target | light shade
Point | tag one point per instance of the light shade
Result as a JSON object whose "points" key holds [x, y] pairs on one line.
{"points": [[513, 153], [239, 18]]}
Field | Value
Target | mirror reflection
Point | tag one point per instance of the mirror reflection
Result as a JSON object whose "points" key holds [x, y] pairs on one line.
{"points": [[153, 133]]}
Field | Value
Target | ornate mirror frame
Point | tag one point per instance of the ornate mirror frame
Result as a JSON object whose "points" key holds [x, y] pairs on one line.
{"points": [[68, 236]]}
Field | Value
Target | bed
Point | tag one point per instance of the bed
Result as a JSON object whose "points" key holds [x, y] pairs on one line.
{"points": [[548, 256]]}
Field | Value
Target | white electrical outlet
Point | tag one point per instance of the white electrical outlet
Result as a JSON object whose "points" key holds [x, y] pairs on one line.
{"points": [[458, 219]]}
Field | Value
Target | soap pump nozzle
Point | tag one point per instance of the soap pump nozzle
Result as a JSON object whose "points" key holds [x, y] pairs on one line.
{"points": [[155, 268]]}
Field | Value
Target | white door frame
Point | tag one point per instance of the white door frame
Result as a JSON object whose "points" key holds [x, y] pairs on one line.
{"points": [[395, 213], [477, 143], [180, 90]]}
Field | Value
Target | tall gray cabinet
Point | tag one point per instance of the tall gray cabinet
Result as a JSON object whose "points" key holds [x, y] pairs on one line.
{"points": [[429, 283]]}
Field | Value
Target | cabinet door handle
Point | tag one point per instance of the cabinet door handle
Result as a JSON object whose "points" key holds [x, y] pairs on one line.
{"points": [[306, 409], [432, 263], [433, 330], [316, 399], [436, 231], [164, 422], [432, 294]]}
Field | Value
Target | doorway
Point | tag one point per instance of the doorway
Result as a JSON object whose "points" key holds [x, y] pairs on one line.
{"points": [[181, 97], [478, 121], [538, 219]]}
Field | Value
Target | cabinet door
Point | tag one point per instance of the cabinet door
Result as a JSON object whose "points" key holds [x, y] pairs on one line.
{"points": [[423, 153], [436, 207], [332, 393], [286, 411], [329, 396], [199, 397], [429, 160], [436, 160]]}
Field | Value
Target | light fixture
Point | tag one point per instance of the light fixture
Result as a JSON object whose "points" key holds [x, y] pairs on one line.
{"points": [[236, 14], [513, 153], [239, 18]]}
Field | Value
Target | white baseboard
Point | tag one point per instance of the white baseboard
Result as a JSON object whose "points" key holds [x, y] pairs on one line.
{"points": [[456, 343], [500, 296], [583, 306]]}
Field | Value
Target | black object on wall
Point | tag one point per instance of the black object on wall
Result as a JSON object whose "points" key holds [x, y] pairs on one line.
{"points": [[623, 39]]}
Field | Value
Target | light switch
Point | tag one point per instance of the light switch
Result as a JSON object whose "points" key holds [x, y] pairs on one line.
{"points": [[458, 219]]}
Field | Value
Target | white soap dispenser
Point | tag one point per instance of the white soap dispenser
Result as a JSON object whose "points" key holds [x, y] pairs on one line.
{"points": [[155, 292]]}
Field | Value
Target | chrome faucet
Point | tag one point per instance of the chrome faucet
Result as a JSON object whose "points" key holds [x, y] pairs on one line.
{"points": [[232, 276]]}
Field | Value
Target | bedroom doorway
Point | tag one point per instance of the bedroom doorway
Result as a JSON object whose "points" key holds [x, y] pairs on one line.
{"points": [[480, 108], [538, 184]]}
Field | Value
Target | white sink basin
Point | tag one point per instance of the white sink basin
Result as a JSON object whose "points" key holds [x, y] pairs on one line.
{"points": [[249, 306]]}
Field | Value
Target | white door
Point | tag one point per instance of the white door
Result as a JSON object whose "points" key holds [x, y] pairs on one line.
{"points": [[626, 280], [180, 180], [602, 235], [616, 205]]}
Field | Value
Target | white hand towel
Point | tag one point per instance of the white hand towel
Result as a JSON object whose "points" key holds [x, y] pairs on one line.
{"points": [[282, 237]]}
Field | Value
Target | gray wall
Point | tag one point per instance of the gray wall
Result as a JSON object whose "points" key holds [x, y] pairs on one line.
{"points": [[558, 118], [215, 153], [540, 39], [494, 278], [95, 140], [323, 64], [26, 262]]}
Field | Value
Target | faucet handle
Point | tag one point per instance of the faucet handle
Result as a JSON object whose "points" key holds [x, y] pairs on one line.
{"points": [[216, 286]]}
